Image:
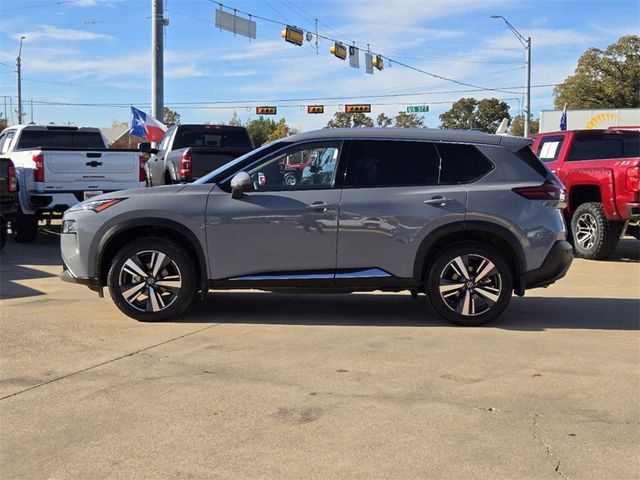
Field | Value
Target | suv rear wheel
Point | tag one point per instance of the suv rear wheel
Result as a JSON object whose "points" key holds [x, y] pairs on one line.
{"points": [[152, 279], [469, 284]]}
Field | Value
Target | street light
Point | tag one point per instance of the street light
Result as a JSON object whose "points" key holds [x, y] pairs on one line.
{"points": [[526, 43], [19, 71]]}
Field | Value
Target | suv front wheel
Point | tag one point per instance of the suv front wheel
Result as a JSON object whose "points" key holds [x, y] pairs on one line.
{"points": [[152, 279], [469, 284]]}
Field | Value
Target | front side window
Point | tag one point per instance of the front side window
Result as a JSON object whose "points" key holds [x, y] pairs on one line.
{"points": [[388, 163], [549, 148], [313, 166]]}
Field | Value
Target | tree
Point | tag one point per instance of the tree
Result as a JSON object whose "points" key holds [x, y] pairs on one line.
{"points": [[383, 120], [469, 113], [517, 126], [604, 78], [409, 120], [282, 130], [349, 120], [235, 121], [171, 117], [119, 123], [3, 122]]}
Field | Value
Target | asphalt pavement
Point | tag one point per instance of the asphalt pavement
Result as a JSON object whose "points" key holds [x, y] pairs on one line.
{"points": [[361, 386]]}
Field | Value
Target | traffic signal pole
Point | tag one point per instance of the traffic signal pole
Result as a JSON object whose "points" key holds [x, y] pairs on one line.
{"points": [[157, 60]]}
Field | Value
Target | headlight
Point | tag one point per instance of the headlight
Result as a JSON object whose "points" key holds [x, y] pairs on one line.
{"points": [[69, 226], [96, 205]]}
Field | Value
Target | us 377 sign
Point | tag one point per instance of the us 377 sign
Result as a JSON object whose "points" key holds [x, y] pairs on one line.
{"points": [[418, 109]]}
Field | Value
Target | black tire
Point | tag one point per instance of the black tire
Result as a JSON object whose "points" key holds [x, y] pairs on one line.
{"points": [[290, 179], [3, 234], [469, 301], [168, 179], [151, 298], [24, 227], [593, 236]]}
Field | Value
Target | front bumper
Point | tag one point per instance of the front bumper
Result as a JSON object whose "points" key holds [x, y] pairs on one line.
{"points": [[92, 283], [554, 267]]}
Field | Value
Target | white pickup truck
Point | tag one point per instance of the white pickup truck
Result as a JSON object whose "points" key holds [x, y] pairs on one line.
{"points": [[59, 166]]}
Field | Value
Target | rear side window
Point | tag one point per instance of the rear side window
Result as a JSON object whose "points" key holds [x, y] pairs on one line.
{"points": [[462, 163], [549, 148], [60, 139], [601, 146], [385, 163]]}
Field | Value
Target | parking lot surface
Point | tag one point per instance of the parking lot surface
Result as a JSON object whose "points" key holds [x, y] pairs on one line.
{"points": [[259, 385]]}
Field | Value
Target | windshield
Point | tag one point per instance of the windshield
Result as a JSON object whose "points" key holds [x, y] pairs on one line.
{"points": [[246, 159]]}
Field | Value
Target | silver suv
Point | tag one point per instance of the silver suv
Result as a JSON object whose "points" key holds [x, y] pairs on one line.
{"points": [[465, 217]]}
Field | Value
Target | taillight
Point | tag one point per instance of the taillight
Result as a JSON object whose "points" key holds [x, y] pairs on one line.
{"points": [[546, 191], [142, 161], [633, 179], [185, 166], [38, 172], [12, 179]]}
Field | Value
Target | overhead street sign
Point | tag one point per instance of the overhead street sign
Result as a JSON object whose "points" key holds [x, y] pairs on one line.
{"points": [[418, 109]]}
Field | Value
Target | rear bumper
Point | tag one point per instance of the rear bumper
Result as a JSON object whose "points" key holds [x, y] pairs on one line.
{"points": [[554, 267]]}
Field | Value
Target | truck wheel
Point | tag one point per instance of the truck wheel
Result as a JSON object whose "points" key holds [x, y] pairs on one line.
{"points": [[469, 284], [594, 237], [24, 227], [152, 279]]}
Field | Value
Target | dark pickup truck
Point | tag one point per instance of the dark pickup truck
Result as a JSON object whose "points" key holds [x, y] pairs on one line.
{"points": [[8, 189], [188, 152]]}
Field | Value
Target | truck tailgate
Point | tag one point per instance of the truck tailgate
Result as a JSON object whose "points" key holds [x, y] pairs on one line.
{"points": [[90, 170], [205, 160]]}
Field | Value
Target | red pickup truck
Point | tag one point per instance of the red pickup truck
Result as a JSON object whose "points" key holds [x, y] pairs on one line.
{"points": [[601, 172]]}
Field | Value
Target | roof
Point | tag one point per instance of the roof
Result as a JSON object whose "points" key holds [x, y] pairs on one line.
{"points": [[432, 134], [113, 134]]}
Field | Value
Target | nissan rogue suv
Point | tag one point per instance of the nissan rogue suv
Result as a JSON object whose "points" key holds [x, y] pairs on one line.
{"points": [[465, 217]]}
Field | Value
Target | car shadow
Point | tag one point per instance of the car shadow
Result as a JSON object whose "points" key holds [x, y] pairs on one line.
{"points": [[393, 310], [628, 250]]}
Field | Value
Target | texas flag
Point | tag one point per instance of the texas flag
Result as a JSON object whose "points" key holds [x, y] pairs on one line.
{"points": [[145, 126]]}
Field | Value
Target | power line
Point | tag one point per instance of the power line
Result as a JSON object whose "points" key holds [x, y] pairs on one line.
{"points": [[391, 60]]}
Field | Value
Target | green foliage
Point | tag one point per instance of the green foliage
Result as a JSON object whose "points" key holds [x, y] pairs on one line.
{"points": [[260, 129], [469, 113], [409, 120], [349, 120], [235, 121], [517, 126], [171, 117], [282, 130], [604, 78], [3, 122], [383, 121]]}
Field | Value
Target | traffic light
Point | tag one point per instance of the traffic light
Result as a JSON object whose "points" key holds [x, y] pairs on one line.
{"points": [[358, 108], [339, 50], [378, 62], [293, 35], [315, 108], [266, 110]]}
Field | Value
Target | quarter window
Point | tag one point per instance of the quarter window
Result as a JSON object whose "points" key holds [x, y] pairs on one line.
{"points": [[392, 164], [600, 146]]}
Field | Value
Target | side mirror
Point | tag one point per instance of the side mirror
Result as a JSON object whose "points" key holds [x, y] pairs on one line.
{"points": [[240, 183]]}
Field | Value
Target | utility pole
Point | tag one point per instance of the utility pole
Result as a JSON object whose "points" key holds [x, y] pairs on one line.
{"points": [[526, 43], [157, 60], [19, 70]]}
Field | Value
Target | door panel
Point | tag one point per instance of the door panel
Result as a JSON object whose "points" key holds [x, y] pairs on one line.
{"points": [[383, 228], [271, 233]]}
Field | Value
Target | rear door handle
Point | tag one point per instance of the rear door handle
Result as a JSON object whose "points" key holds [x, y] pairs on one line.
{"points": [[320, 206], [438, 201]]}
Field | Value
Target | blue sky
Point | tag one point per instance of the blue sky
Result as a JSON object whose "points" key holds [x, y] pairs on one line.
{"points": [[98, 52]]}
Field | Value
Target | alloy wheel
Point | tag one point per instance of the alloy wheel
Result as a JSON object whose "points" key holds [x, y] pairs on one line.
{"points": [[470, 284], [586, 231], [149, 281]]}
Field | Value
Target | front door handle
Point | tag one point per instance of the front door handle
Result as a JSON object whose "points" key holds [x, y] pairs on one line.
{"points": [[320, 206], [439, 201]]}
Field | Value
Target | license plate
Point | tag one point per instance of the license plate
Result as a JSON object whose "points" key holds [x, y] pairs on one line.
{"points": [[92, 193]]}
